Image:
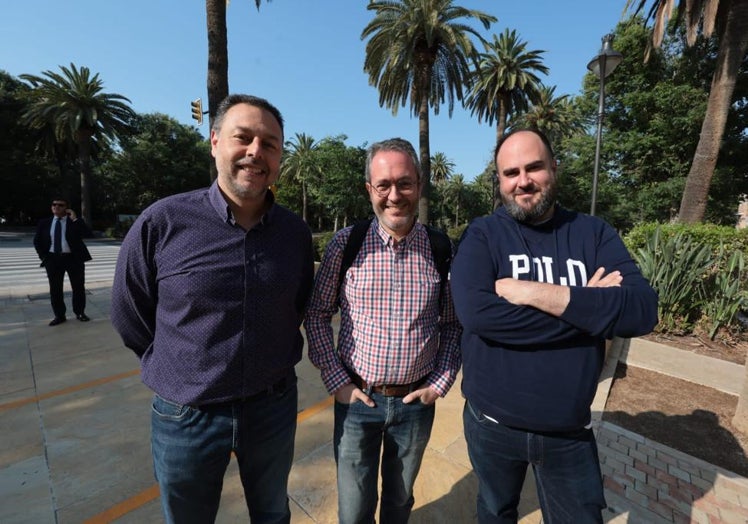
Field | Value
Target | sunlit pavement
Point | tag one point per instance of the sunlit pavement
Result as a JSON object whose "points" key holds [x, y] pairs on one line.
{"points": [[75, 423]]}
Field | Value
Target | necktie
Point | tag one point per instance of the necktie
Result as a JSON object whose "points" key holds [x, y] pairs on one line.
{"points": [[58, 236]]}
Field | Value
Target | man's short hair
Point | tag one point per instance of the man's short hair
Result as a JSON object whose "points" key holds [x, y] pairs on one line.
{"points": [[254, 101], [392, 144], [537, 132]]}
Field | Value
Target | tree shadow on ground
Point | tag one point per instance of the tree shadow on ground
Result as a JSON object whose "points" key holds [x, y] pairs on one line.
{"points": [[710, 442], [694, 419], [689, 447], [459, 505]]}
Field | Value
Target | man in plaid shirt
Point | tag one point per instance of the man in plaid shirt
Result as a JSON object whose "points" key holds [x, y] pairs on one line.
{"points": [[398, 345]]}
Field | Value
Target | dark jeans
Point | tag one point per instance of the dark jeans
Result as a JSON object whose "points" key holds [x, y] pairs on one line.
{"points": [[192, 447], [566, 468], [57, 266], [392, 430]]}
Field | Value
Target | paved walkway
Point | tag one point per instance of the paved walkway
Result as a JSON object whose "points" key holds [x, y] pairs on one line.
{"points": [[74, 419]]}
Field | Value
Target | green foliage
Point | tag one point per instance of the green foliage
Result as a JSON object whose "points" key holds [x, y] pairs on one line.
{"points": [[712, 235], [455, 233], [728, 296], [320, 241], [698, 272], [505, 79], [71, 108], [24, 172], [675, 266], [162, 157], [653, 116]]}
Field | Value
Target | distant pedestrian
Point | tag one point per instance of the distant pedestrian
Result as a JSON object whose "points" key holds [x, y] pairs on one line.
{"points": [[59, 243], [209, 292]]}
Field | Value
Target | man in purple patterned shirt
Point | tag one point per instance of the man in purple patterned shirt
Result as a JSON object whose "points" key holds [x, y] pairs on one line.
{"points": [[398, 345], [209, 292]]}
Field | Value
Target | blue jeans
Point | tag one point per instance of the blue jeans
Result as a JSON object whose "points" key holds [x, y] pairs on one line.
{"points": [[192, 446], [566, 468], [400, 432]]}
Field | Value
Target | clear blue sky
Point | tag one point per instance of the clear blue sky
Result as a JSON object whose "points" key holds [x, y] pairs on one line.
{"points": [[305, 56]]}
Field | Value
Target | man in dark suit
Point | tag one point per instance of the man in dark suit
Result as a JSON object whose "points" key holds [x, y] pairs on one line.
{"points": [[59, 243]]}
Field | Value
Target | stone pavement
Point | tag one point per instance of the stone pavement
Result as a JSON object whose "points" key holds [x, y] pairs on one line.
{"points": [[74, 419]]}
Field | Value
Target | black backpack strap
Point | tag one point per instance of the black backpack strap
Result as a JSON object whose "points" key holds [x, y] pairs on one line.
{"points": [[441, 250], [352, 247]]}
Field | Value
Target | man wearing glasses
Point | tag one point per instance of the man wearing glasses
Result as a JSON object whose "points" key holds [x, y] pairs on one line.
{"points": [[59, 243], [397, 346]]}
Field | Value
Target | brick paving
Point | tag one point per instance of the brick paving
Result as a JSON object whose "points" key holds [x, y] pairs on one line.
{"points": [[654, 483]]}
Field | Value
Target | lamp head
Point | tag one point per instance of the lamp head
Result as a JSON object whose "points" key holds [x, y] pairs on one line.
{"points": [[608, 58]]}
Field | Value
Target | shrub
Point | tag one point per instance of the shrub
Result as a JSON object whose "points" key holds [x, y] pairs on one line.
{"points": [[320, 241], [698, 272], [455, 233]]}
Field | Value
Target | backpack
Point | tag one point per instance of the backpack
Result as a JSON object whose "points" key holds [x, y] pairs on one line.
{"points": [[441, 249]]}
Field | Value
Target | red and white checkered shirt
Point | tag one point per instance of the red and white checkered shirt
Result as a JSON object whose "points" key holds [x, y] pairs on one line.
{"points": [[393, 329]]}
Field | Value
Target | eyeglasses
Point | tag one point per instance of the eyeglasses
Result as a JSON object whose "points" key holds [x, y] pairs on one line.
{"points": [[58, 204], [404, 187]]}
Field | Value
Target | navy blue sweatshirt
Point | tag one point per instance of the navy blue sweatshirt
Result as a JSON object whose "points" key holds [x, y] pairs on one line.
{"points": [[521, 366]]}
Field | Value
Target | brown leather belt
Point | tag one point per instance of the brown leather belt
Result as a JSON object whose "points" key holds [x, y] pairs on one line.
{"points": [[387, 390]]}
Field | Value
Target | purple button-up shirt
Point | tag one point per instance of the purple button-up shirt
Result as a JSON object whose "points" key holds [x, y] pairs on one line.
{"points": [[213, 311]]}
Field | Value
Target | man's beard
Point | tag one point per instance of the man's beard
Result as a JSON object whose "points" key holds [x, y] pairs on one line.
{"points": [[521, 214]]}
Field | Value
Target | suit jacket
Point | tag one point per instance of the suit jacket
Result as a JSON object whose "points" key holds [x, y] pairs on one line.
{"points": [[74, 233]]}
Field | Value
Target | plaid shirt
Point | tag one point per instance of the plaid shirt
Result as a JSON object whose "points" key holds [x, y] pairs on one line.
{"points": [[393, 330]]}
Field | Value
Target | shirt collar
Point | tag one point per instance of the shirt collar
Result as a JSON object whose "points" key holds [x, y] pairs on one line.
{"points": [[388, 240], [219, 204]]}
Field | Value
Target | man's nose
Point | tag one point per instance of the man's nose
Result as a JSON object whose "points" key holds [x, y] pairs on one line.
{"points": [[395, 193], [254, 148], [523, 179]]}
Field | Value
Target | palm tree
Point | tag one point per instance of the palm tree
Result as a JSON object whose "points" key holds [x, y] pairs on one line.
{"points": [[557, 117], [74, 106], [728, 20], [419, 52], [455, 193], [441, 168], [218, 59], [505, 80], [301, 164]]}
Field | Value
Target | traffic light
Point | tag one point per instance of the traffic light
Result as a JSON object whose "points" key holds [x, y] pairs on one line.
{"points": [[197, 110]]}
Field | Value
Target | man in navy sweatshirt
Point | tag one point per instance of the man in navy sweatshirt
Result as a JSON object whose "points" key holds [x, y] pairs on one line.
{"points": [[538, 290]]}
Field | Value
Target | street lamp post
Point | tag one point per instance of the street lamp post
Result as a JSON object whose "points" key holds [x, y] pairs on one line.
{"points": [[602, 65]]}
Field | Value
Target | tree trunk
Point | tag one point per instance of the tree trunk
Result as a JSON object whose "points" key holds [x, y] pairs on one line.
{"points": [[500, 130], [425, 153], [84, 158], [218, 62], [303, 202], [740, 420], [732, 48]]}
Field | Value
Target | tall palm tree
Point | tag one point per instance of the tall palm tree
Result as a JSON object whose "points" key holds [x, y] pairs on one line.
{"points": [[455, 194], [556, 116], [419, 52], [505, 79], [728, 20], [218, 59], [301, 165], [73, 104], [441, 168]]}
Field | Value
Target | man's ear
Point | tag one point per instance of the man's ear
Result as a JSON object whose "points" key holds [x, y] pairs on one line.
{"points": [[213, 141]]}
